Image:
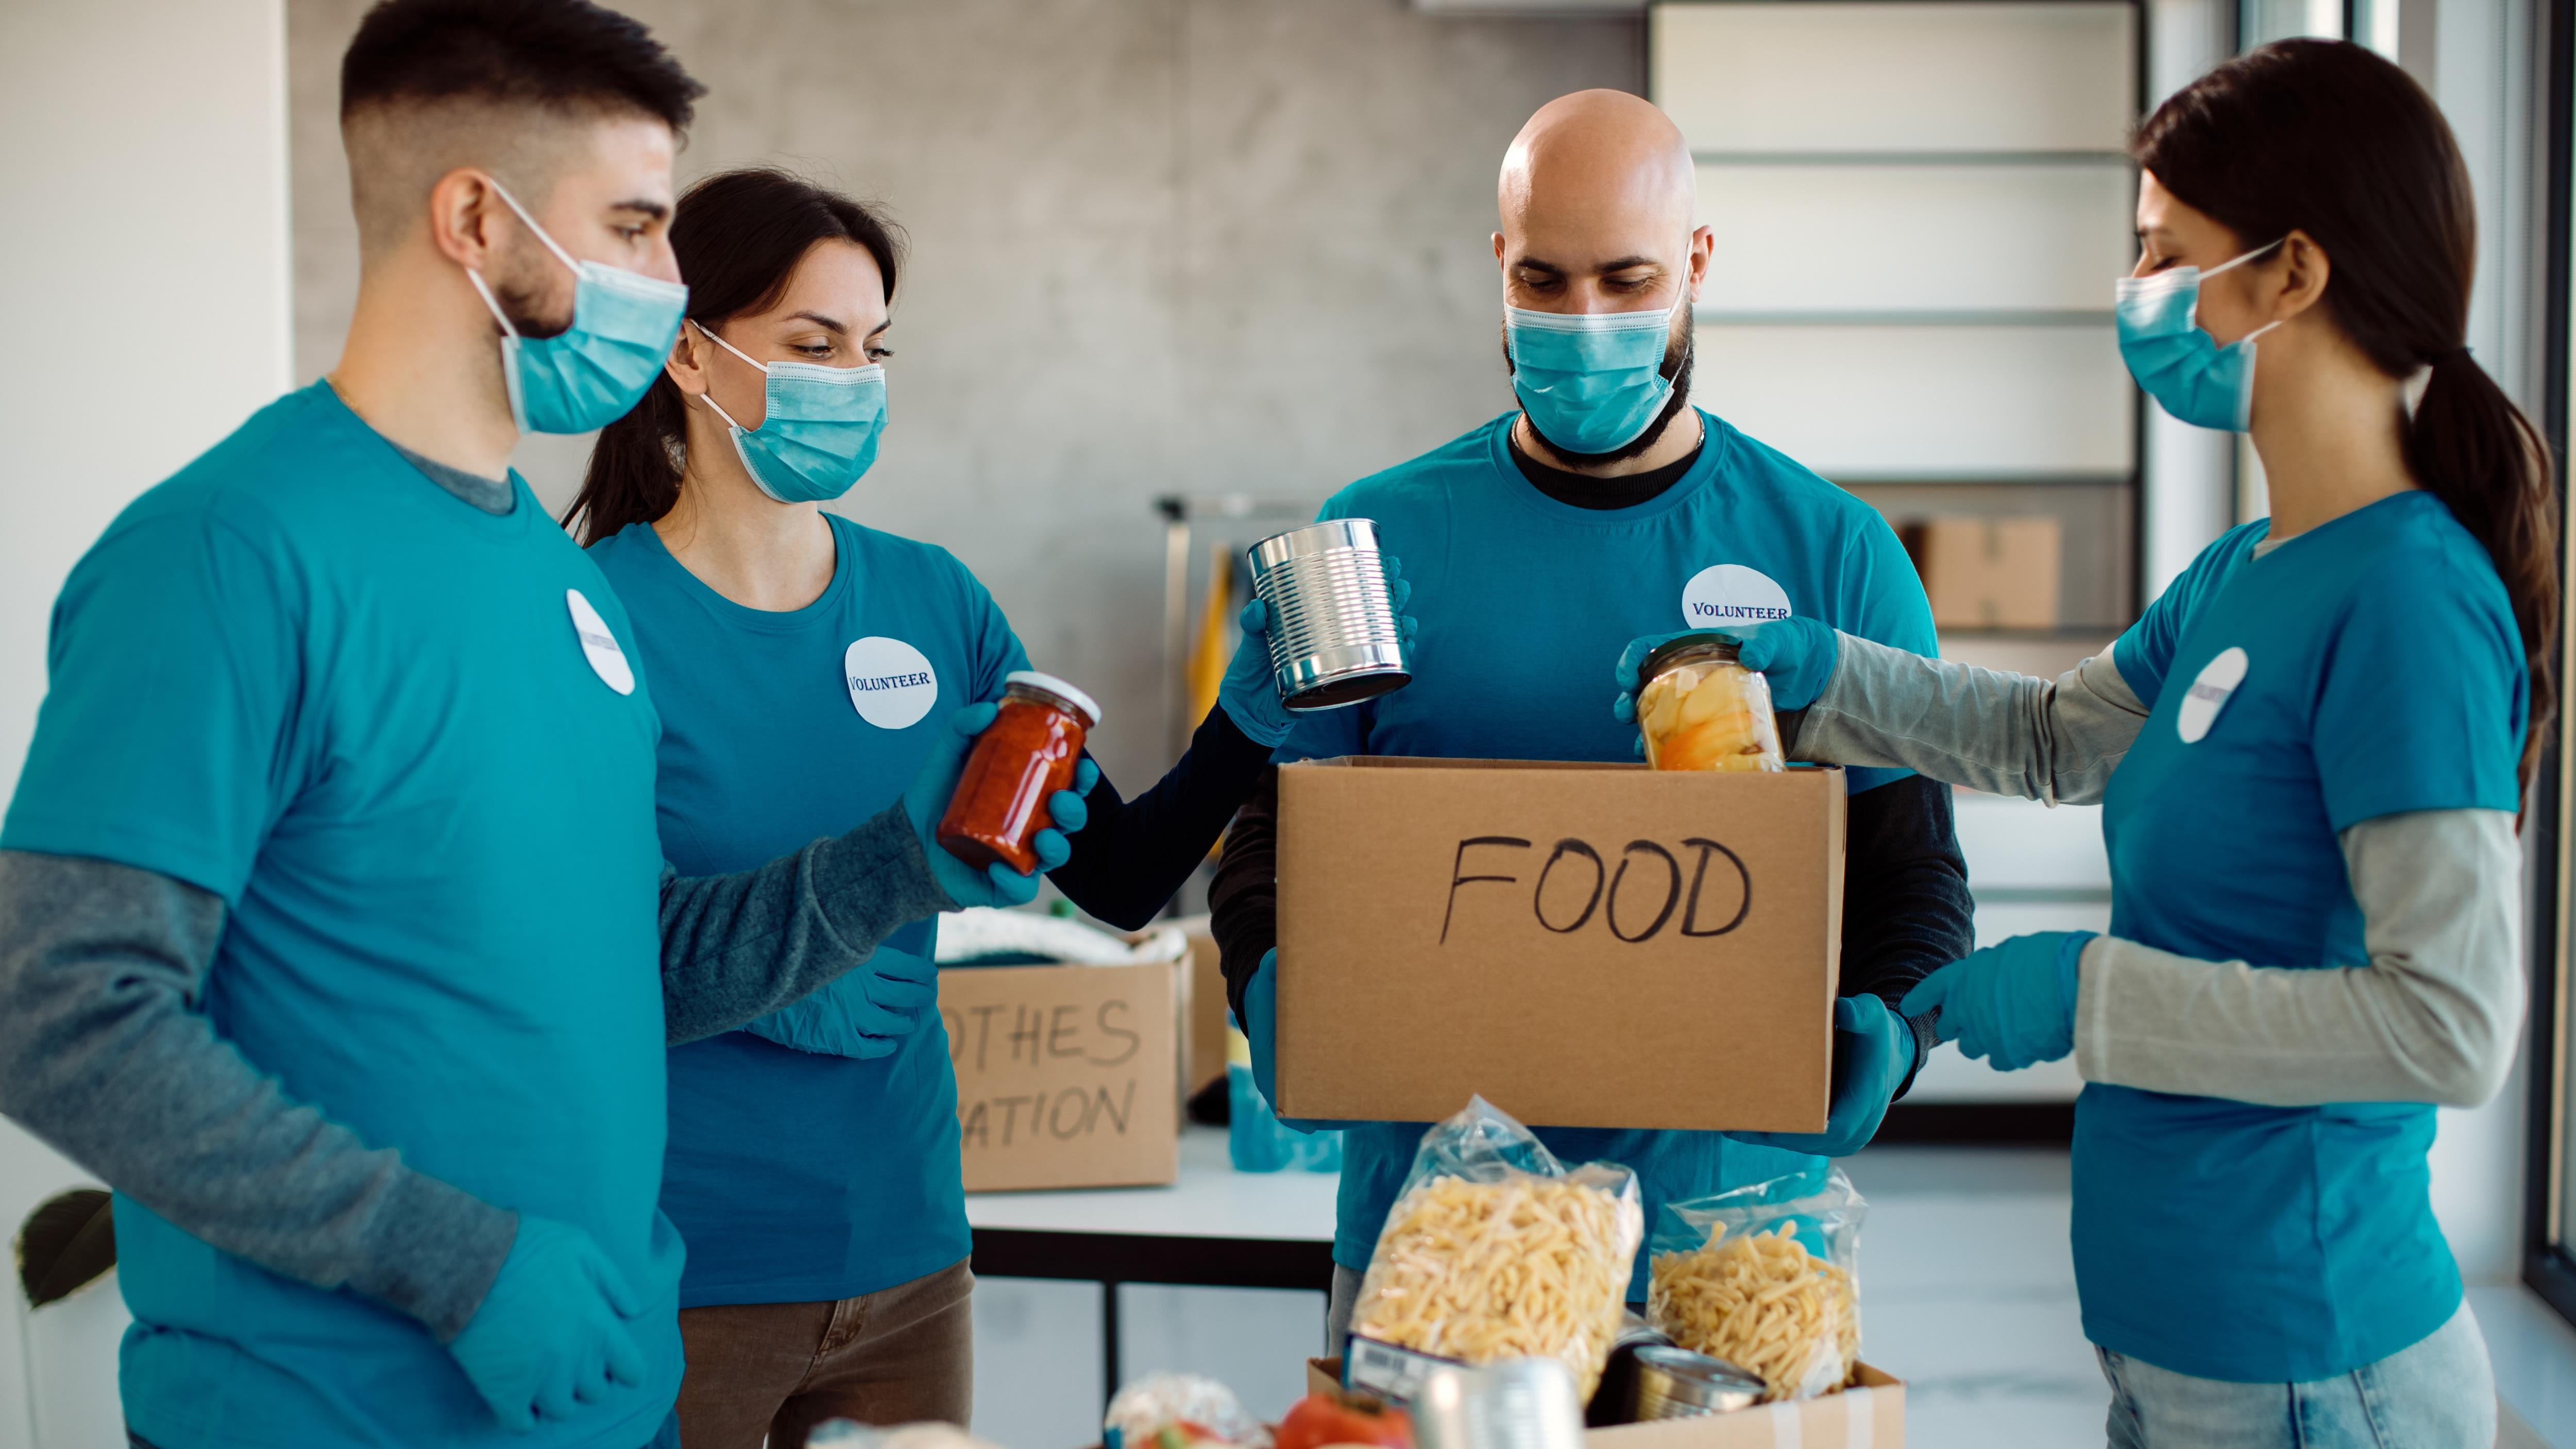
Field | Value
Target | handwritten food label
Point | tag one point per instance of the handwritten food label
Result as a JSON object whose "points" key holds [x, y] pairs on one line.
{"points": [[598, 645], [891, 683], [1731, 594]]}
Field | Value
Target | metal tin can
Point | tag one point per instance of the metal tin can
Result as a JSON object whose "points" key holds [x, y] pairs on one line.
{"points": [[1675, 1383], [1334, 639], [1513, 1403]]}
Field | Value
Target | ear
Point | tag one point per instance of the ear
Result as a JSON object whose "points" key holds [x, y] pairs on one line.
{"points": [[2305, 271], [1498, 250], [1703, 245], [687, 363], [463, 222]]}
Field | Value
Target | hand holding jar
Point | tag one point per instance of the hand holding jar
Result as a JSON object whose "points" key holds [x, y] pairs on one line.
{"points": [[1699, 708], [989, 825]]}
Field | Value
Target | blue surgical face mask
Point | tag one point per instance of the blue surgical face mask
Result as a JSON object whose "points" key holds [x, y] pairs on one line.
{"points": [[1591, 381], [820, 431], [591, 373], [2182, 367]]}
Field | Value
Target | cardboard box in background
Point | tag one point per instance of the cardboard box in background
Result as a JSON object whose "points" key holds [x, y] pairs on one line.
{"points": [[1065, 1074], [1203, 1061], [1868, 1415], [1587, 945], [1988, 573]]}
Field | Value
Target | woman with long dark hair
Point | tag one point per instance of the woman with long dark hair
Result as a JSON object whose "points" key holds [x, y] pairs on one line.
{"points": [[2310, 752], [801, 664]]}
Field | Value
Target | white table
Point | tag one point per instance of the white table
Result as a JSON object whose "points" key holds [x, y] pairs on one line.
{"points": [[1214, 1227]]}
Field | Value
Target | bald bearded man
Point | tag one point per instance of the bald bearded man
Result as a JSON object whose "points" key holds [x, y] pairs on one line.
{"points": [[1607, 506]]}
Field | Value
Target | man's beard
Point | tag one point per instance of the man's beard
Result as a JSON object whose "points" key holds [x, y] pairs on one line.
{"points": [[1678, 355], [520, 301]]}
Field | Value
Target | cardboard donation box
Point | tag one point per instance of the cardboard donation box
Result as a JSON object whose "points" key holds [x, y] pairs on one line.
{"points": [[1065, 1074], [1868, 1415], [1987, 573], [1587, 945]]}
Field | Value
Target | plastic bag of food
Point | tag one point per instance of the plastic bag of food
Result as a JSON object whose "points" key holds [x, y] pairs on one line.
{"points": [[1174, 1411], [1766, 1277], [1494, 1250]]}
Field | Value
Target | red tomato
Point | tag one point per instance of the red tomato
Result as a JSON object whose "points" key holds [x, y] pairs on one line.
{"points": [[1318, 1420]]}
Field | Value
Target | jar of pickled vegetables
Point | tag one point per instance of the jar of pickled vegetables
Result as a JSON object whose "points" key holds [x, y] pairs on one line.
{"points": [[1023, 757], [1699, 708]]}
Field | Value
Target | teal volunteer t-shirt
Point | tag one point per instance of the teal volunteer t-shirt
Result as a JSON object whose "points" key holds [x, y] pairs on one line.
{"points": [[795, 1176], [302, 676], [2365, 668], [1525, 603]]}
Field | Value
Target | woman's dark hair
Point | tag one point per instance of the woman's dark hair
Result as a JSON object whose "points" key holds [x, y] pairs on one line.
{"points": [[2325, 137], [738, 236]]}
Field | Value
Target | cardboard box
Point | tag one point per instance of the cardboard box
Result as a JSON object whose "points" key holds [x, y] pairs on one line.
{"points": [[1987, 573], [1203, 1060], [1868, 1415], [1065, 1074], [1586, 945]]}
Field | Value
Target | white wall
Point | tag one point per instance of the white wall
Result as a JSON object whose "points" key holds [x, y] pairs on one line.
{"points": [[143, 271]]}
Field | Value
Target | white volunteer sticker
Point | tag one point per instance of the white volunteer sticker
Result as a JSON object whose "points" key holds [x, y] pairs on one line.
{"points": [[1725, 594], [891, 683], [598, 645], [2209, 694]]}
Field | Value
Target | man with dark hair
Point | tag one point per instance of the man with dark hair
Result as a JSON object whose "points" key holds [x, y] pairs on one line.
{"points": [[331, 898]]}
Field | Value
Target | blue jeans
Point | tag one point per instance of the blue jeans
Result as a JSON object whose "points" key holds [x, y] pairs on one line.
{"points": [[2437, 1394]]}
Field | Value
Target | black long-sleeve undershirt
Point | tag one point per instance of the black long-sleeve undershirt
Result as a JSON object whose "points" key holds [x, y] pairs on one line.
{"points": [[1906, 910], [1134, 854]]}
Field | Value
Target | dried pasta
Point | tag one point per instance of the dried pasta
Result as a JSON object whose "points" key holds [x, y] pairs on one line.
{"points": [[1525, 1267], [1761, 1301]]}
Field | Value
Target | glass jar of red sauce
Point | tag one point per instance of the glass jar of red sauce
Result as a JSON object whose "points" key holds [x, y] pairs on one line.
{"points": [[1024, 756]]}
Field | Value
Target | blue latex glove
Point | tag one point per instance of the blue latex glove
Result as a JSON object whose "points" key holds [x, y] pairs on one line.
{"points": [[1873, 1050], [1250, 691], [1261, 1028], [2012, 1003], [1795, 656], [926, 799], [864, 1013], [551, 1333]]}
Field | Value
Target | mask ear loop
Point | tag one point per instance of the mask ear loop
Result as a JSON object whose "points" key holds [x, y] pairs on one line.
{"points": [[709, 397], [561, 255]]}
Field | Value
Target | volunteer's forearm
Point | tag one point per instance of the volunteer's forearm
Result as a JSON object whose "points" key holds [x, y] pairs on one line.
{"points": [[736, 947], [103, 1055], [1134, 854], [1906, 908], [2432, 1018], [1243, 900], [2012, 734]]}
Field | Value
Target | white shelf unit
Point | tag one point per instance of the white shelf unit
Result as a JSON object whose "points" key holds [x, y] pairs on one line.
{"points": [[1920, 209]]}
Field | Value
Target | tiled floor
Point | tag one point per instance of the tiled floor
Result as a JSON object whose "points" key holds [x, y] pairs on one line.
{"points": [[1968, 1293]]}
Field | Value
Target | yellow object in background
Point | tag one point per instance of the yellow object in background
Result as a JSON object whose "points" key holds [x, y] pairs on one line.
{"points": [[1215, 646]]}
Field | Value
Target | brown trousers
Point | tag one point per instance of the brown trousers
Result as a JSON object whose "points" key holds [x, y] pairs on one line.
{"points": [[775, 1370]]}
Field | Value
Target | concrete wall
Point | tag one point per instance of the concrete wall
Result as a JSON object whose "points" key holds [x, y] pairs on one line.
{"points": [[1160, 246], [144, 272]]}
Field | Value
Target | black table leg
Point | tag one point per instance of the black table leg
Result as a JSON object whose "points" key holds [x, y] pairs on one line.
{"points": [[1112, 1372]]}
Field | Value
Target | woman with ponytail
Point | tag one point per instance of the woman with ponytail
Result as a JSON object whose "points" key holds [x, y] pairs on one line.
{"points": [[801, 665], [2310, 753]]}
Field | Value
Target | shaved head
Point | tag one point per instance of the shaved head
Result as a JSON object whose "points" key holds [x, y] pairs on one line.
{"points": [[1599, 200], [399, 149], [1606, 155]]}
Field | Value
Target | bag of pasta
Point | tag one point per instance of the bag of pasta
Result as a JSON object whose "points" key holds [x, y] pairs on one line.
{"points": [[1766, 1277], [1494, 1250]]}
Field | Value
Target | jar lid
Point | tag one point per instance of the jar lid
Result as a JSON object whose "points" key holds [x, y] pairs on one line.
{"points": [[1089, 707], [1709, 641]]}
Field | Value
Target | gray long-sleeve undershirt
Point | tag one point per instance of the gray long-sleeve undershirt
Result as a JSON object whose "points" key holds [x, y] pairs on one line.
{"points": [[2431, 1017], [104, 1054]]}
